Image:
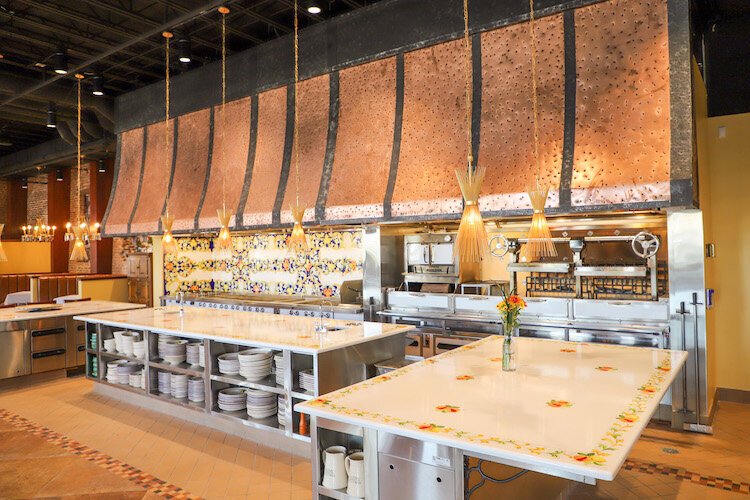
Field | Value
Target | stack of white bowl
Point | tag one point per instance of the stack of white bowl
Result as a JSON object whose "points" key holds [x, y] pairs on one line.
{"points": [[255, 364], [307, 380], [229, 363], [112, 374], [110, 345], [196, 388], [261, 404], [162, 340], [125, 369], [282, 410], [179, 385], [278, 362], [232, 399], [193, 353], [135, 378], [202, 355], [118, 340], [165, 382], [175, 351], [139, 349], [126, 340]]}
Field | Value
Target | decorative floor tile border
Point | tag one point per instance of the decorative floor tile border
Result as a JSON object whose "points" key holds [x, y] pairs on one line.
{"points": [[719, 483], [146, 481]]}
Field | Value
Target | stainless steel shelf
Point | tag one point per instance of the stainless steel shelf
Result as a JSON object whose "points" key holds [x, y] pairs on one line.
{"points": [[337, 494], [125, 387], [184, 402], [182, 368], [298, 393], [121, 356], [271, 423], [268, 384]]}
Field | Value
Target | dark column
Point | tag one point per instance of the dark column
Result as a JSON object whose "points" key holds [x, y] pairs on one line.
{"points": [[58, 214], [17, 210], [100, 186]]}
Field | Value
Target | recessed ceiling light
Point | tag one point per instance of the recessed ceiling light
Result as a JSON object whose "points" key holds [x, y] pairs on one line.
{"points": [[313, 9]]}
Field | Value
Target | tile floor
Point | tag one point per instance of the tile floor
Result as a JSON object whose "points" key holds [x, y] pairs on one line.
{"points": [[212, 464]]}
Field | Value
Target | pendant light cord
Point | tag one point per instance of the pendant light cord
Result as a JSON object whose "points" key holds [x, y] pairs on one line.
{"points": [[167, 138], [469, 83], [78, 150], [223, 104], [534, 97], [296, 112]]}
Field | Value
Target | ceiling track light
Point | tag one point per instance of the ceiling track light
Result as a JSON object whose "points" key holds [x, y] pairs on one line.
{"points": [[97, 85], [51, 115], [60, 61], [183, 49], [59, 176]]}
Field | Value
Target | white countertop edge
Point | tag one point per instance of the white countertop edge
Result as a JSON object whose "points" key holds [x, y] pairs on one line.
{"points": [[103, 306], [605, 473], [255, 343]]}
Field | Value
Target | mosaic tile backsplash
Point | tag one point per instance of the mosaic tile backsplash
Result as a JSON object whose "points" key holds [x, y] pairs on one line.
{"points": [[261, 263]]}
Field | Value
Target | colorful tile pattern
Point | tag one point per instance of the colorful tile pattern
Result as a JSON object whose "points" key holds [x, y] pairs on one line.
{"points": [[261, 263], [147, 481]]}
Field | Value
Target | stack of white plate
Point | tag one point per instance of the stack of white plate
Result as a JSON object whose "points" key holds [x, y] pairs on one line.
{"points": [[196, 389], [118, 340], [179, 385], [135, 379], [307, 380], [165, 382], [232, 399], [261, 404], [126, 341], [110, 345], [139, 349], [255, 364], [201, 356], [161, 342], [175, 351], [278, 362], [124, 370], [143, 379], [282, 410], [193, 353], [112, 377], [229, 363]]}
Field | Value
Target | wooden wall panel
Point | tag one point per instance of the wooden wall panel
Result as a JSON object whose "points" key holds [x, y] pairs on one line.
{"points": [[269, 154], [364, 142], [157, 170], [228, 161]]}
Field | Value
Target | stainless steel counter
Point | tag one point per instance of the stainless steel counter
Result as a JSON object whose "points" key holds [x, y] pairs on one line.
{"points": [[279, 303]]}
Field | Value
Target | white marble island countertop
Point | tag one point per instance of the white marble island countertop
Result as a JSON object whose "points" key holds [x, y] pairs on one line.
{"points": [[570, 408], [27, 312], [256, 329]]}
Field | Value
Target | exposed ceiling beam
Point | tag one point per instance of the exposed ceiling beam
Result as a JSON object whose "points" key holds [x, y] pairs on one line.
{"points": [[180, 8]]}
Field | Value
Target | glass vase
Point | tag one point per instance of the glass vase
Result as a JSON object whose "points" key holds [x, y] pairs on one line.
{"points": [[510, 333]]}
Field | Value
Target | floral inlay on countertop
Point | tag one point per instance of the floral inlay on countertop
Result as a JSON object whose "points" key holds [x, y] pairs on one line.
{"points": [[505, 418]]}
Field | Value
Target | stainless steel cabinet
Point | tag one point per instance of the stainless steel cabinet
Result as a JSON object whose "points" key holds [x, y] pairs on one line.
{"points": [[15, 357]]}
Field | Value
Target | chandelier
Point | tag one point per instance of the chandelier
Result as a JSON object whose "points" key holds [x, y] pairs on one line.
{"points": [[39, 232], [81, 231]]}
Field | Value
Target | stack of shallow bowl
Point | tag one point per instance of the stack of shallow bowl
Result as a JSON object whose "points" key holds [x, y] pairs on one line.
{"points": [[135, 379], [118, 340], [196, 388], [139, 349], [232, 399], [229, 363], [165, 382], [255, 364], [307, 380], [193, 353], [175, 351], [201, 355], [179, 385], [110, 345], [124, 370], [278, 362], [126, 341], [282, 410], [261, 404], [161, 342], [112, 373]]}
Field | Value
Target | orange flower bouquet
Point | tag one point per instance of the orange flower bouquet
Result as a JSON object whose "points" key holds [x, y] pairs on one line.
{"points": [[510, 309]]}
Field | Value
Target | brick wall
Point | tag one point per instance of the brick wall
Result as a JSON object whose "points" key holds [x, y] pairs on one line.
{"points": [[37, 200], [122, 247]]}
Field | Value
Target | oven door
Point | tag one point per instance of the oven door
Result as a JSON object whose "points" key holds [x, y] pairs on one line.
{"points": [[414, 344], [636, 339], [444, 344]]}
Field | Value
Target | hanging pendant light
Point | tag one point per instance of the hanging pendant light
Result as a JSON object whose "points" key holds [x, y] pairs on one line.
{"points": [[540, 242], [472, 240], [224, 240], [3, 257], [298, 239], [80, 231], [168, 242]]}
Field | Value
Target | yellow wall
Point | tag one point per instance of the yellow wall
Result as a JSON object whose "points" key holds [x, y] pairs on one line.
{"points": [[26, 258], [727, 188], [104, 289], [157, 271]]}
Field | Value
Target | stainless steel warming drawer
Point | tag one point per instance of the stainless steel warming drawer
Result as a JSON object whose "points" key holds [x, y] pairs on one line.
{"points": [[48, 344], [15, 357]]}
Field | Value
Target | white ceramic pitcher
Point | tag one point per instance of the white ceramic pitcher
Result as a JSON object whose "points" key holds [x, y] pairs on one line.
{"points": [[334, 472], [355, 468]]}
